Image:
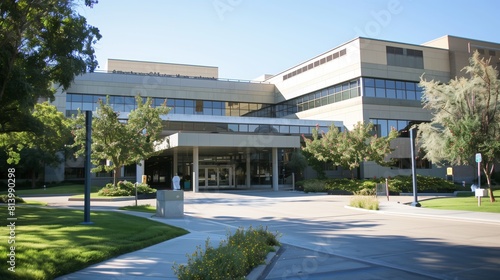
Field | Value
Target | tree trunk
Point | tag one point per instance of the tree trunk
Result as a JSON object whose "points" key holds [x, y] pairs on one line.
{"points": [[116, 175], [490, 190], [33, 178]]}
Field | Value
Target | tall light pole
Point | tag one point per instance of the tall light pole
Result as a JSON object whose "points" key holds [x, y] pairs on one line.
{"points": [[88, 143], [415, 202]]}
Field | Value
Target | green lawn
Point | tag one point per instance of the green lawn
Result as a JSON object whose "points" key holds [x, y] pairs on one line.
{"points": [[464, 203], [52, 242], [140, 208], [65, 189]]}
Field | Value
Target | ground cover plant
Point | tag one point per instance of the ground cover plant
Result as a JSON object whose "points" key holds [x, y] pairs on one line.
{"points": [[234, 258], [464, 203], [52, 242]]}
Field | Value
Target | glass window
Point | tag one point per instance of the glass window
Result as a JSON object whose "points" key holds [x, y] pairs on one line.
{"points": [[401, 94], [369, 82], [402, 124], [87, 98], [392, 124], [304, 130], [294, 129], [179, 102], [369, 91], [400, 85], [178, 110], [410, 86], [380, 83], [345, 86], [411, 95], [232, 127], [77, 98], [129, 108], [217, 112], [252, 127], [380, 92], [189, 110], [390, 84], [218, 105], [69, 97], [117, 100], [383, 127], [284, 129], [207, 111], [243, 127], [87, 106], [390, 93], [129, 100]]}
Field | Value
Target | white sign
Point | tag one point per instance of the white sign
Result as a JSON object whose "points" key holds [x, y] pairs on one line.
{"points": [[478, 157]]}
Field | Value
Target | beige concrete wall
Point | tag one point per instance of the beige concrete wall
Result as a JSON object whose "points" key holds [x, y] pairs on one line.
{"points": [[162, 68], [348, 111], [171, 87], [338, 70], [461, 49]]}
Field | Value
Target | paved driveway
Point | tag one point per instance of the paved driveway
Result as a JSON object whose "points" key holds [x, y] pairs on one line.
{"points": [[326, 239]]}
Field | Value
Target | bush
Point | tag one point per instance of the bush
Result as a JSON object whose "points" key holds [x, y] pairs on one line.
{"points": [[365, 202], [4, 198], [125, 188], [234, 258]]}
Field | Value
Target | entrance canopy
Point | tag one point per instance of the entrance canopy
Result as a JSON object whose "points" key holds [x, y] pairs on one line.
{"points": [[186, 139]]}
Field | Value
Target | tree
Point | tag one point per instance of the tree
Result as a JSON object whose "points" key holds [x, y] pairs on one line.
{"points": [[33, 151], [466, 118], [119, 142], [349, 148], [42, 43]]}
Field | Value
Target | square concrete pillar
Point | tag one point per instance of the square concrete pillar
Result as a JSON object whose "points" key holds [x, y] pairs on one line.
{"points": [[169, 204]]}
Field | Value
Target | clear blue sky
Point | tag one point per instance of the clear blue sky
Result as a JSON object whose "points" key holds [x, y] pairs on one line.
{"points": [[248, 38]]}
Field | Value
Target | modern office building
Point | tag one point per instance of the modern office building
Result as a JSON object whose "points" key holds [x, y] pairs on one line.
{"points": [[233, 133]]}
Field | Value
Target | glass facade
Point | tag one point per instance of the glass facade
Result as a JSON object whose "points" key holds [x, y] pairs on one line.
{"points": [[126, 104], [241, 128]]}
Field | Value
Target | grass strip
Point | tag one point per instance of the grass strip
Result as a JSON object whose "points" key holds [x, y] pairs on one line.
{"points": [[464, 203], [52, 242], [140, 208]]}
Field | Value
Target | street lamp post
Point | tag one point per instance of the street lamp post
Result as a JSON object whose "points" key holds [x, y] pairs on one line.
{"points": [[415, 202]]}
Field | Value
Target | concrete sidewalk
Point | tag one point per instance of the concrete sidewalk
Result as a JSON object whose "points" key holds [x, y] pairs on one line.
{"points": [[322, 238]]}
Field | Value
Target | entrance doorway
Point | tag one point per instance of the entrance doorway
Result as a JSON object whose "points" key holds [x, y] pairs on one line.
{"points": [[218, 176]]}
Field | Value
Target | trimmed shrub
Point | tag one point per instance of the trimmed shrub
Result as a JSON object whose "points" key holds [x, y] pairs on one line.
{"points": [[125, 188], [397, 184]]}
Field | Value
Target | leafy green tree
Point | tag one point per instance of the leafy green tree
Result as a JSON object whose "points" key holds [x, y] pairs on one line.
{"points": [[42, 43], [349, 148], [33, 151], [466, 118], [117, 141]]}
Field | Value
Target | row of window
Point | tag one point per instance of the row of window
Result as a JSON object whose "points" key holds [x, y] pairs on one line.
{"points": [[319, 98], [384, 126], [392, 89], [316, 63], [86, 102], [405, 57], [379, 88]]}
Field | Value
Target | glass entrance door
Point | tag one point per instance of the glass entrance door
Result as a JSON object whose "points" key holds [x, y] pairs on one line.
{"points": [[216, 176]]}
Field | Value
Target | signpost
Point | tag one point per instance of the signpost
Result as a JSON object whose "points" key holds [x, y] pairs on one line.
{"points": [[479, 192]]}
